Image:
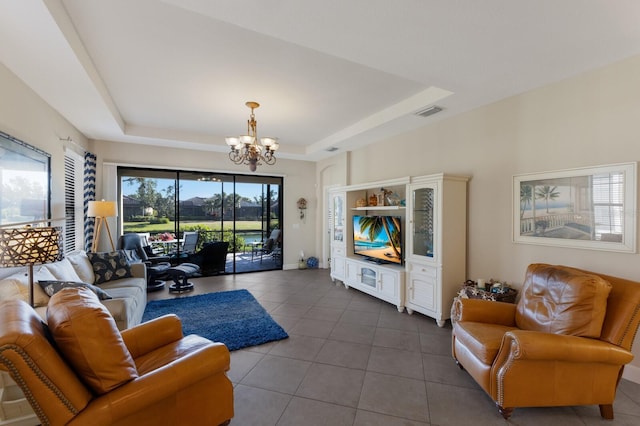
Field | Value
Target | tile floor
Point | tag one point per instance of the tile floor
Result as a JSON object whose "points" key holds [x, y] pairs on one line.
{"points": [[354, 360]]}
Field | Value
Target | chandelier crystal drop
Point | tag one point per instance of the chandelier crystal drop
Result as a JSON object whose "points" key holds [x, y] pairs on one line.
{"points": [[245, 148]]}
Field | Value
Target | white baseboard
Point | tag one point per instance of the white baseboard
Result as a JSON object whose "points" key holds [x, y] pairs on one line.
{"points": [[631, 373]]}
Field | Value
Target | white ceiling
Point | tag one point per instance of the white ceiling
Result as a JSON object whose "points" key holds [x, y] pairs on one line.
{"points": [[332, 73]]}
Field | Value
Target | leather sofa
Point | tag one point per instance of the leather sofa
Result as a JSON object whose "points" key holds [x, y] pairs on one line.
{"points": [[565, 343], [129, 295], [80, 370]]}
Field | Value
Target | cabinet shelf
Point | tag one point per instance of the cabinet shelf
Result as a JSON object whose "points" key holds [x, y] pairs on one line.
{"points": [[379, 208]]}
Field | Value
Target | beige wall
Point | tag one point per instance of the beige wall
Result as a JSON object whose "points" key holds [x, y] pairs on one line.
{"points": [[588, 120], [299, 181], [25, 116]]}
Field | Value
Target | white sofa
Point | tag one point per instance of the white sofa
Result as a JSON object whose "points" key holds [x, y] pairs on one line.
{"points": [[129, 295]]}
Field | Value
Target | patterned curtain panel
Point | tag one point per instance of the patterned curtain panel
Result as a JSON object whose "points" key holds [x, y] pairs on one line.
{"points": [[89, 195]]}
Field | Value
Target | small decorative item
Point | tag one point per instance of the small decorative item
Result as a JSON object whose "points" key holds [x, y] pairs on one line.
{"points": [[302, 264], [373, 200], [361, 202], [495, 290], [390, 197], [380, 196], [481, 283], [302, 206], [312, 262]]}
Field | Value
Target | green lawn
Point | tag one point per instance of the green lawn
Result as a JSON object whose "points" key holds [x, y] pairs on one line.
{"points": [[249, 225]]}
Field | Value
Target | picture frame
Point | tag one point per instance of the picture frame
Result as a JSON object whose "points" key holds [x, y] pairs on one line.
{"points": [[25, 182], [587, 208]]}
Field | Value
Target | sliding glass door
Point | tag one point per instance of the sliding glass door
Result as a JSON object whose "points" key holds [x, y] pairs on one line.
{"points": [[243, 210]]}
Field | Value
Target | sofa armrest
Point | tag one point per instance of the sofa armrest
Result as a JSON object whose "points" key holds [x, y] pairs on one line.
{"points": [[485, 311], [538, 346], [152, 334], [139, 270], [161, 384]]}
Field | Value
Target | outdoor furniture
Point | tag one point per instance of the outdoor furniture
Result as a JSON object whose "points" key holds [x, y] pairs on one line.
{"points": [[271, 245], [187, 248], [212, 258]]}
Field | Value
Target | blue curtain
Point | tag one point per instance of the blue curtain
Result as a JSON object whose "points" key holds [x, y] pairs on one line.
{"points": [[89, 195]]}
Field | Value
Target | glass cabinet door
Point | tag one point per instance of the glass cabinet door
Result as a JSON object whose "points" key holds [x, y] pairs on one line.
{"points": [[338, 218], [423, 221]]}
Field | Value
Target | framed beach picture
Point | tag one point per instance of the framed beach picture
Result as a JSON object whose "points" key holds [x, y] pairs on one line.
{"points": [[589, 208]]}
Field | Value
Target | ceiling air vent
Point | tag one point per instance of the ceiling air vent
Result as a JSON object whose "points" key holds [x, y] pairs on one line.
{"points": [[429, 111], [331, 149]]}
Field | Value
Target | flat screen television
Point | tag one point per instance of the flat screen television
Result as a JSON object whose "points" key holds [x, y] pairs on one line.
{"points": [[378, 238]]}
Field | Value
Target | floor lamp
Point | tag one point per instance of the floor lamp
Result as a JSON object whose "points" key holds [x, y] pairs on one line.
{"points": [[30, 246], [101, 210]]}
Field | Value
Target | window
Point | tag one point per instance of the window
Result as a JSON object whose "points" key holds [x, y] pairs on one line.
{"points": [[73, 202], [240, 209]]}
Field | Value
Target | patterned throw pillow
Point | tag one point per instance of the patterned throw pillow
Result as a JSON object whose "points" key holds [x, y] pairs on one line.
{"points": [[109, 266], [52, 287]]}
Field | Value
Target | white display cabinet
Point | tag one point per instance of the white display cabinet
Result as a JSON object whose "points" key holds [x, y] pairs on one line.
{"points": [[433, 231], [436, 243]]}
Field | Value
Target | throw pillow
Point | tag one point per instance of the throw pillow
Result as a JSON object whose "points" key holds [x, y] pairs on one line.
{"points": [[52, 287], [109, 266], [87, 336], [21, 279], [82, 266], [12, 289], [63, 270]]}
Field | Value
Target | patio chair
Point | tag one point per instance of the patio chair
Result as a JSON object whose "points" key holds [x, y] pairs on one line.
{"points": [[212, 258], [188, 247], [270, 247]]}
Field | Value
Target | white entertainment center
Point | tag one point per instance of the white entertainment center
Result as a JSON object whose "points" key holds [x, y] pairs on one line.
{"points": [[432, 233]]}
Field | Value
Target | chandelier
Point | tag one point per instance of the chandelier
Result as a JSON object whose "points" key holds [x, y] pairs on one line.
{"points": [[245, 148]]}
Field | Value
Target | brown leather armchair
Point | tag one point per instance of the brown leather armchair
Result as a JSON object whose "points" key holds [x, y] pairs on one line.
{"points": [[565, 343], [147, 375]]}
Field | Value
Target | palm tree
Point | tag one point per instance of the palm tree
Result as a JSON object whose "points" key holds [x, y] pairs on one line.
{"points": [[374, 225], [525, 198], [547, 193]]}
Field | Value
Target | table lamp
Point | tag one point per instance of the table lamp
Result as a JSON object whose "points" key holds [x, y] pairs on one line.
{"points": [[101, 210], [30, 246]]}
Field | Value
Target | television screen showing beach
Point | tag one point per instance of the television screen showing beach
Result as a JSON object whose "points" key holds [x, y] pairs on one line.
{"points": [[378, 237]]}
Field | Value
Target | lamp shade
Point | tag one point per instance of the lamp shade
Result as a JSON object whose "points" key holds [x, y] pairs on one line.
{"points": [[101, 209], [30, 246]]}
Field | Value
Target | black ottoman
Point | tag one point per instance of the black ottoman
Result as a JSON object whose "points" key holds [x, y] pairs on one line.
{"points": [[180, 274], [154, 272]]}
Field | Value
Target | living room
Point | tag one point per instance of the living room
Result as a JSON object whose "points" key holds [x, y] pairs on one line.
{"points": [[582, 119]]}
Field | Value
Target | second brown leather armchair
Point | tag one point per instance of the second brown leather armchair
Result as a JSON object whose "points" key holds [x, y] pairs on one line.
{"points": [[565, 343], [147, 375]]}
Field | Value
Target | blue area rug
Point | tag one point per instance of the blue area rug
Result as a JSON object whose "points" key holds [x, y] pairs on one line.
{"points": [[234, 318]]}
